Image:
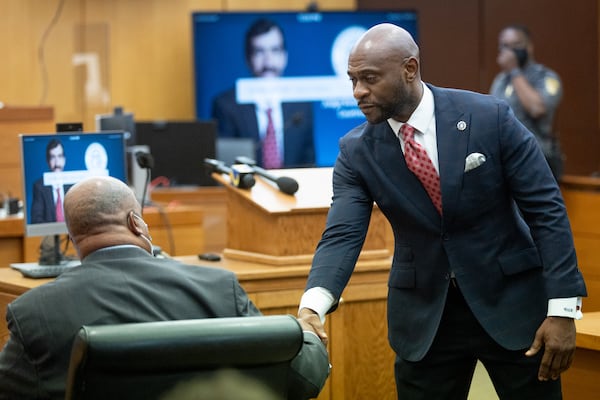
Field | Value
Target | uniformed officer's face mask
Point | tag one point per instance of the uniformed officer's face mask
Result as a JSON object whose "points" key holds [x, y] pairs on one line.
{"points": [[522, 56]]}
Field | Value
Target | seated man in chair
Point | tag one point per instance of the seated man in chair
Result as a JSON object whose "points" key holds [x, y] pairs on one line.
{"points": [[119, 281]]}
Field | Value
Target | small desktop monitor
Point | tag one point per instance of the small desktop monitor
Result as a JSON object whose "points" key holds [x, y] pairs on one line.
{"points": [[228, 149], [317, 45], [85, 154], [119, 120], [179, 149]]}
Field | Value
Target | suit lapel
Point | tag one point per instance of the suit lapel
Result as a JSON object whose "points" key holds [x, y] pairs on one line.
{"points": [[452, 130]]}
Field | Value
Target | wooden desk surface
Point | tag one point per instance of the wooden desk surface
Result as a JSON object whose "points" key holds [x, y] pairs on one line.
{"points": [[580, 381], [14, 283], [588, 331], [249, 274]]}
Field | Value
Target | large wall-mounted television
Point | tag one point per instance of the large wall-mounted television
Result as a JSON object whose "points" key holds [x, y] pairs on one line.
{"points": [[317, 45], [81, 155]]}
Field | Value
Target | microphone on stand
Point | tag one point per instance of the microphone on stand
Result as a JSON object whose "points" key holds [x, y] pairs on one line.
{"points": [[145, 161], [285, 184], [242, 176]]}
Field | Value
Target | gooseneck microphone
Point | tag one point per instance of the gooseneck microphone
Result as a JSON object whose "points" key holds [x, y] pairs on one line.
{"points": [[145, 161], [241, 177], [285, 184]]}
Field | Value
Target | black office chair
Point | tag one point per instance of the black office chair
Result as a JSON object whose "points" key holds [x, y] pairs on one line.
{"points": [[144, 360]]}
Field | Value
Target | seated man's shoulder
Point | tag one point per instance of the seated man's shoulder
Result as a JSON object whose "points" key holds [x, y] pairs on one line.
{"points": [[200, 270]]}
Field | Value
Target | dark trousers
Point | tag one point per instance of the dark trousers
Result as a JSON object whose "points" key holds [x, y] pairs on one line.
{"points": [[446, 371]]}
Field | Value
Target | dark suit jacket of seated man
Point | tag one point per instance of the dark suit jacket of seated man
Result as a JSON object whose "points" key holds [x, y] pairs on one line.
{"points": [[119, 281]]}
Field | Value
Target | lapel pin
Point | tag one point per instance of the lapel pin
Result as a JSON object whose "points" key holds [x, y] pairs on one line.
{"points": [[461, 125]]}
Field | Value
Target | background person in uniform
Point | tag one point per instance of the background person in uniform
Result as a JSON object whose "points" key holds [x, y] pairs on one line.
{"points": [[531, 89], [292, 122], [485, 271], [120, 281]]}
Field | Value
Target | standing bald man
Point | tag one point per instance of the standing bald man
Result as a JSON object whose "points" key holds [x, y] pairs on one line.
{"points": [[120, 281], [483, 270]]}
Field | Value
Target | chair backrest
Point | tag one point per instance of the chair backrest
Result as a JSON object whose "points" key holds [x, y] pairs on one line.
{"points": [[143, 360]]}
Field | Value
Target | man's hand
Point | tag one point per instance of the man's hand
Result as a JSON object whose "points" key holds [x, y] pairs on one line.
{"points": [[310, 321], [507, 59], [557, 336]]}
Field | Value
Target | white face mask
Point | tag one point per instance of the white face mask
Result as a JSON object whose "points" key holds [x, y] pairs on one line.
{"points": [[149, 240]]}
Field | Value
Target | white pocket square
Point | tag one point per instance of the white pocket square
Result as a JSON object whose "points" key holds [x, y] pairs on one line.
{"points": [[473, 161]]}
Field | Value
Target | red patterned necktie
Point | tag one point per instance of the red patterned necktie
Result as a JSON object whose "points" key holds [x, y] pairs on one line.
{"points": [[420, 164], [59, 209], [270, 153]]}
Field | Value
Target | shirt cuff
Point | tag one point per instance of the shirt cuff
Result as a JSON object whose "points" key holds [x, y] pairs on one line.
{"points": [[569, 307], [317, 299]]}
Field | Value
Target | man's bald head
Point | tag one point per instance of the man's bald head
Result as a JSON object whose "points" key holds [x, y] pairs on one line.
{"points": [[384, 69], [387, 41], [98, 214]]}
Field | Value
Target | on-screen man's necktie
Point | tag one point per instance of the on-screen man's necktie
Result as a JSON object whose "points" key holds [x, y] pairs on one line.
{"points": [[59, 207], [270, 155], [420, 164]]}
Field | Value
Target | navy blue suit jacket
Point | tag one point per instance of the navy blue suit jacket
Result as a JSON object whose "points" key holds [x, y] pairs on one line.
{"points": [[504, 231], [239, 120]]}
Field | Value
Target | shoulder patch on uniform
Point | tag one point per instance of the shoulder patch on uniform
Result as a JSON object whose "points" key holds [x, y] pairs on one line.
{"points": [[552, 85]]}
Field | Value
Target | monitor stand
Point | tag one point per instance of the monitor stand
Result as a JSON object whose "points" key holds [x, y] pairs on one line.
{"points": [[52, 261], [51, 254]]}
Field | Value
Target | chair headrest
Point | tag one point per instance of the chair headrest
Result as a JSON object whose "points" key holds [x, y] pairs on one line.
{"points": [[184, 344]]}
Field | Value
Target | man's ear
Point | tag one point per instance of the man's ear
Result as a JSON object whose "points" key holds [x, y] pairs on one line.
{"points": [[411, 68], [132, 224]]}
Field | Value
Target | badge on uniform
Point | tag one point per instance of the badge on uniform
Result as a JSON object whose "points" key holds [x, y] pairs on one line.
{"points": [[552, 85]]}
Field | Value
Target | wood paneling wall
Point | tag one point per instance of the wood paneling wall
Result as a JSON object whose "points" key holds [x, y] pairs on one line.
{"points": [[145, 62]]}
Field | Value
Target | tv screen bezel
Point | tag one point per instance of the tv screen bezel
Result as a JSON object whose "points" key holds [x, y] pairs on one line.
{"points": [[27, 179]]}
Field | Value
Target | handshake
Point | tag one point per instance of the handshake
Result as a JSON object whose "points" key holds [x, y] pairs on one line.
{"points": [[242, 174]]}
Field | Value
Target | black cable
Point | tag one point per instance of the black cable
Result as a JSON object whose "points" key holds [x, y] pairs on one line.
{"points": [[144, 192], [168, 227]]}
